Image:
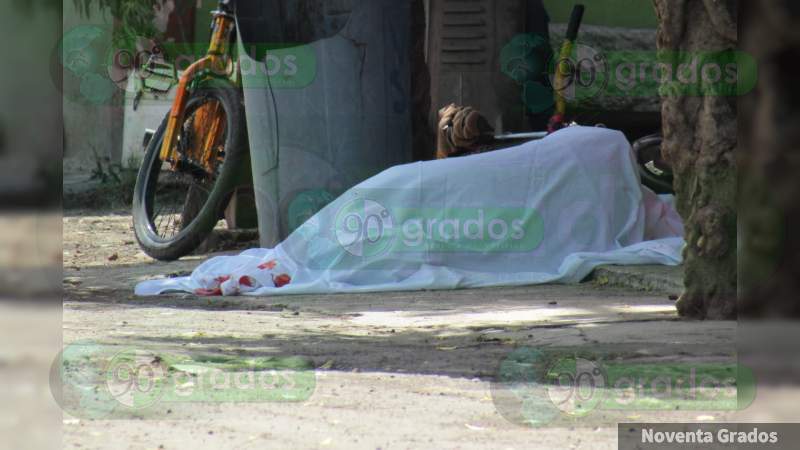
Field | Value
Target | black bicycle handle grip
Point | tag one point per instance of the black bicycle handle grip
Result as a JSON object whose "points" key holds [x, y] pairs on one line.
{"points": [[575, 22]]}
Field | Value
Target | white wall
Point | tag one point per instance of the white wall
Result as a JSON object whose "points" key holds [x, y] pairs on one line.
{"points": [[90, 127]]}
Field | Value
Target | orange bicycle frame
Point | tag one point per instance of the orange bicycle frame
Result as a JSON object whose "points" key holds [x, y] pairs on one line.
{"points": [[217, 62]]}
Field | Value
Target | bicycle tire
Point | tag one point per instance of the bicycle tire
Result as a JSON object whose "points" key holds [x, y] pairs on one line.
{"points": [[191, 236]]}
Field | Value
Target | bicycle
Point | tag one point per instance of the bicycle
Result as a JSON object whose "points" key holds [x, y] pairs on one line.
{"points": [[192, 162]]}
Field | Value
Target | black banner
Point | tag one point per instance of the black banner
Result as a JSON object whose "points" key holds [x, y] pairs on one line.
{"points": [[646, 436]]}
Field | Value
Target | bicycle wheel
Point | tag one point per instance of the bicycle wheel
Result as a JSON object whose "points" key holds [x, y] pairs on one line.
{"points": [[176, 206], [654, 171]]}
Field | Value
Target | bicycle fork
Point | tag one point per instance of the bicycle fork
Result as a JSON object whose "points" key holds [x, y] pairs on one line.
{"points": [[217, 62]]}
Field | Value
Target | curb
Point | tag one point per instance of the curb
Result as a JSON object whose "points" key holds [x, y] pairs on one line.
{"points": [[665, 279]]}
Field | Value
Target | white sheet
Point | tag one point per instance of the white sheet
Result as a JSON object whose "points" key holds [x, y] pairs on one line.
{"points": [[548, 211]]}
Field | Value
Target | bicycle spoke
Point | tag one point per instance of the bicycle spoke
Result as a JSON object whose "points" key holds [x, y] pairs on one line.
{"points": [[183, 188]]}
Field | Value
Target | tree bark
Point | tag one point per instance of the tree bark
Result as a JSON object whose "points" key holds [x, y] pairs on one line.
{"points": [[769, 184], [700, 139]]}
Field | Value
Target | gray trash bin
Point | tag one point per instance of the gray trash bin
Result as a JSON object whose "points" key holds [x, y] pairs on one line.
{"points": [[328, 107]]}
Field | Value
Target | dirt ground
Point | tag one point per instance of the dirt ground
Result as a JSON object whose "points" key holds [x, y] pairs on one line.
{"points": [[391, 371]]}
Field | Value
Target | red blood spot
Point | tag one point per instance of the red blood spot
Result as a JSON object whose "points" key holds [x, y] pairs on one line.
{"points": [[281, 280], [268, 265], [246, 281], [221, 280], [217, 292]]}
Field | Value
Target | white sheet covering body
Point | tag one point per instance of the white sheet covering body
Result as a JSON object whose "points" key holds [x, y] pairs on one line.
{"points": [[546, 211]]}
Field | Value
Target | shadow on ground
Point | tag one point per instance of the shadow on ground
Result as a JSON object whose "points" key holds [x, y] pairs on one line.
{"points": [[465, 333]]}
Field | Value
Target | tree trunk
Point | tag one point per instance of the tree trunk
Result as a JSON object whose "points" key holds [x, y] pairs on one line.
{"points": [[769, 186], [700, 138]]}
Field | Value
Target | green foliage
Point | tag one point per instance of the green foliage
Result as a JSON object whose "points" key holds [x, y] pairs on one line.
{"points": [[105, 172], [114, 188], [134, 18]]}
